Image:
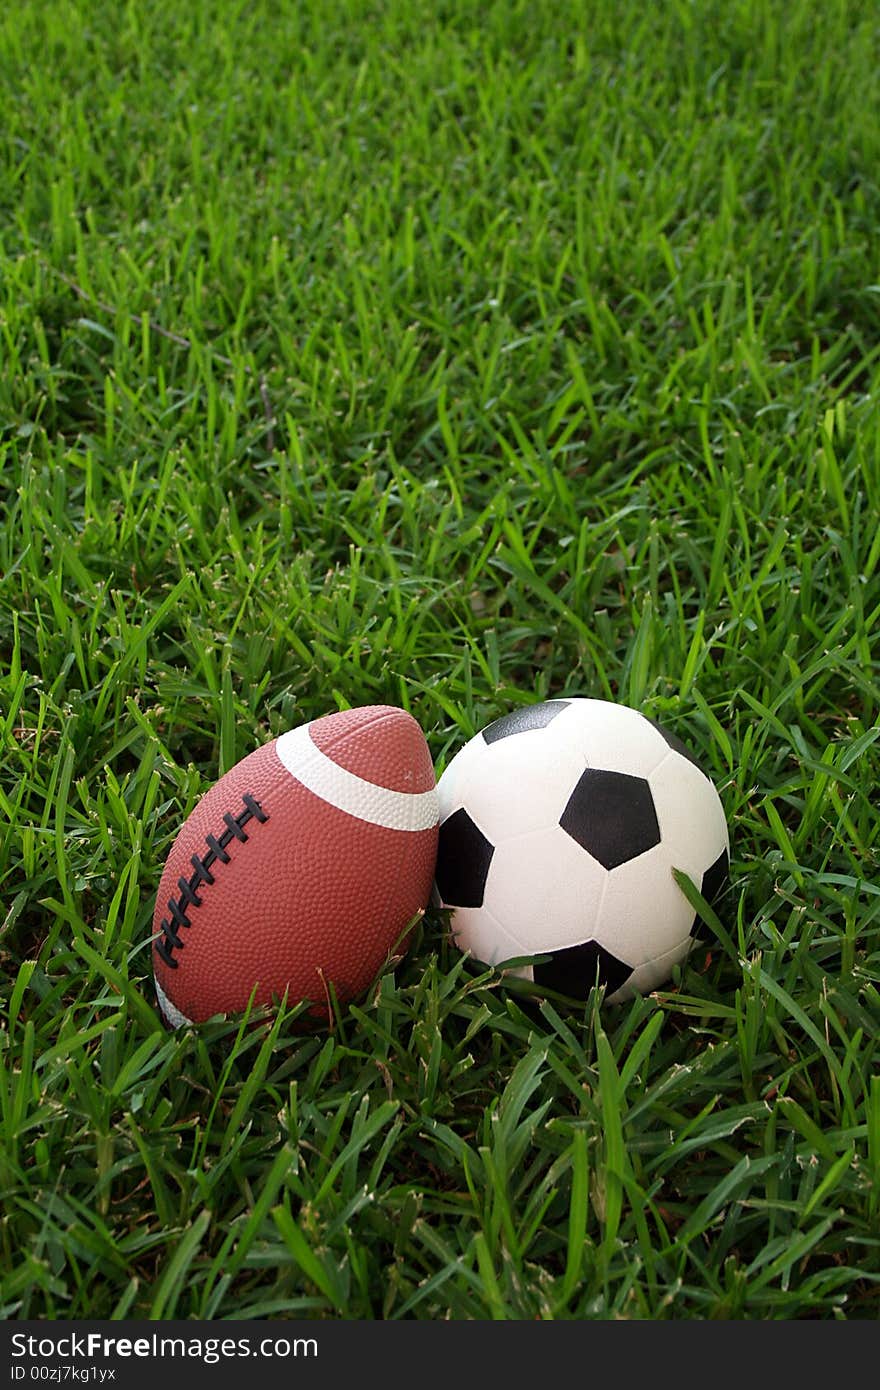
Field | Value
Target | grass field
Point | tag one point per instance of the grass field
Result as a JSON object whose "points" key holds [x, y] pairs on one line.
{"points": [[451, 356]]}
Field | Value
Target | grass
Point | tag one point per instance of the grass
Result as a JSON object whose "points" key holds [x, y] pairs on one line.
{"points": [[452, 358]]}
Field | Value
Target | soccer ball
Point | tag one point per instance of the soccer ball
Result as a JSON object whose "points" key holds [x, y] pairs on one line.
{"points": [[560, 825]]}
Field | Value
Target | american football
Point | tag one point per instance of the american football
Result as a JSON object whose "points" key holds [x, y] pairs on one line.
{"points": [[300, 869], [561, 824]]}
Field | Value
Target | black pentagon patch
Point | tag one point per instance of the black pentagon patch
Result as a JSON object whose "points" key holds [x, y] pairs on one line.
{"points": [[712, 882], [674, 742], [463, 858], [715, 877], [576, 969], [522, 720], [612, 816]]}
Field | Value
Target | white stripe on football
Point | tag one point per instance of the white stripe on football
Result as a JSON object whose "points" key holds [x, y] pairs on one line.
{"points": [[348, 792], [172, 1015]]}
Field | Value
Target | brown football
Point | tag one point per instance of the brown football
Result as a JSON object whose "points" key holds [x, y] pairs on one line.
{"points": [[300, 869]]}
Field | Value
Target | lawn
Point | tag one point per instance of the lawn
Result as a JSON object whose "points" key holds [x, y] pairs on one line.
{"points": [[455, 357]]}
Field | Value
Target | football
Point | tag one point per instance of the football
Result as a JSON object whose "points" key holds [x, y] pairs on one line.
{"points": [[300, 869], [560, 825]]}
